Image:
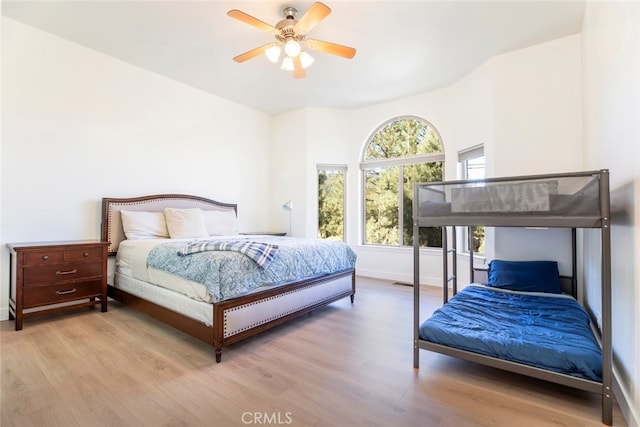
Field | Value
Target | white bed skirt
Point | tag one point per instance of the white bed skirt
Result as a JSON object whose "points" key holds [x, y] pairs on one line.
{"points": [[197, 310]]}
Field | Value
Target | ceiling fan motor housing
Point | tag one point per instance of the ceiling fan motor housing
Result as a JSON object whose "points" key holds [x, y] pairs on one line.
{"points": [[286, 26], [290, 12]]}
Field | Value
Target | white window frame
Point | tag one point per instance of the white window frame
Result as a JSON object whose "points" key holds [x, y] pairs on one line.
{"points": [[396, 161]]}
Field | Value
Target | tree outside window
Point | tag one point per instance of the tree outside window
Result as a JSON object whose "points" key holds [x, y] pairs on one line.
{"points": [[331, 197], [403, 151]]}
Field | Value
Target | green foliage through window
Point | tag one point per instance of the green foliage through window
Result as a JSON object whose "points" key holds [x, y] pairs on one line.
{"points": [[403, 137], [402, 152], [331, 204]]}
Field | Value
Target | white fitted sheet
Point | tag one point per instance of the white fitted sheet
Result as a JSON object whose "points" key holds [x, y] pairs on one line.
{"points": [[131, 261], [197, 310]]}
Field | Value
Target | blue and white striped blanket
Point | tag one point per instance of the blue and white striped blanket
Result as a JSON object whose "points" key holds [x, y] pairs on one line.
{"points": [[262, 253]]}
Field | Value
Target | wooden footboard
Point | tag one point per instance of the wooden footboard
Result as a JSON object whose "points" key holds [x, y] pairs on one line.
{"points": [[242, 317], [239, 318]]}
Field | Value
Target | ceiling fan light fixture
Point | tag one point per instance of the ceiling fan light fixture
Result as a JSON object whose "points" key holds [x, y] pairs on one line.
{"points": [[292, 48], [306, 59], [287, 64], [273, 53], [290, 34]]}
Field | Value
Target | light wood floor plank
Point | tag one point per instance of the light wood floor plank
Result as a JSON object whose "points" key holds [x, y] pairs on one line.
{"points": [[342, 365]]}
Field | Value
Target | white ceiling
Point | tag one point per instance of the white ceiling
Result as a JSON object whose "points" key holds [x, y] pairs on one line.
{"points": [[403, 47]]}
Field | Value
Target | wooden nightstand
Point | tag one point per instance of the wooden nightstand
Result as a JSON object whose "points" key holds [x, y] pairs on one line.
{"points": [[44, 275]]}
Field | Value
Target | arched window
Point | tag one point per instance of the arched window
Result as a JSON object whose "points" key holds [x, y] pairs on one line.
{"points": [[401, 152]]}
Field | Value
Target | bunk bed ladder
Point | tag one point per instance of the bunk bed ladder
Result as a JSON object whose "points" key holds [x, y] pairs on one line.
{"points": [[416, 285], [446, 277], [470, 230]]}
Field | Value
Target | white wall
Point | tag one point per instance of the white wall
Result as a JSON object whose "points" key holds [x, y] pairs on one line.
{"points": [[537, 129], [3, 270], [538, 109], [611, 108], [78, 126], [288, 177]]}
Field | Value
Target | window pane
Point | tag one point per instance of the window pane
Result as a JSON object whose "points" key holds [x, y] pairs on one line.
{"points": [[478, 240], [381, 206], [402, 151], [401, 138], [474, 169], [331, 204], [430, 172]]}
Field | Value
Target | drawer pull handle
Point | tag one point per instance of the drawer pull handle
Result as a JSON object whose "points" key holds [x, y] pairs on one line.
{"points": [[62, 273], [86, 254], [45, 257], [66, 292]]}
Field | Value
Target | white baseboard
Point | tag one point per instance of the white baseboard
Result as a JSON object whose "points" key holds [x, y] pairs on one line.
{"points": [[398, 277], [623, 399]]}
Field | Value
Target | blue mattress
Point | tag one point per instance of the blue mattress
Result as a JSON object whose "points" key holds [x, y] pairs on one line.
{"points": [[547, 331]]}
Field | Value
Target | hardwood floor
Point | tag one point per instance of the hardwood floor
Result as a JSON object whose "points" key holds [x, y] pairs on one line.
{"points": [[345, 365]]}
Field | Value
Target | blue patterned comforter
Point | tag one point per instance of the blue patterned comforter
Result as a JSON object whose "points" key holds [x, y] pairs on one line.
{"points": [[229, 274]]}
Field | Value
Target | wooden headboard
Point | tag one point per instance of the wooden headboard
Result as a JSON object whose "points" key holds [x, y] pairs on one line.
{"points": [[112, 230]]}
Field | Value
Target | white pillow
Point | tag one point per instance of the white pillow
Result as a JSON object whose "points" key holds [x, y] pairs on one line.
{"points": [[219, 223], [144, 225], [185, 223]]}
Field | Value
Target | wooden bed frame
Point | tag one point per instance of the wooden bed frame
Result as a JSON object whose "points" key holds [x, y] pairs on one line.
{"points": [[234, 319]]}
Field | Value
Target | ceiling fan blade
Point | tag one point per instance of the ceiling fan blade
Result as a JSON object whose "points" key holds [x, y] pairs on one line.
{"points": [[248, 19], [331, 48], [298, 71], [253, 53], [309, 20]]}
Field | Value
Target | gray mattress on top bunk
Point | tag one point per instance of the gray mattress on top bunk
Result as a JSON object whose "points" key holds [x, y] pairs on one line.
{"points": [[568, 195]]}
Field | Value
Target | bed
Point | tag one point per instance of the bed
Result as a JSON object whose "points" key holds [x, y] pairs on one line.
{"points": [[180, 259], [523, 317]]}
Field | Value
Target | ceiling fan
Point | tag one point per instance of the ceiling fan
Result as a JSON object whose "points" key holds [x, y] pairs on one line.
{"points": [[290, 37]]}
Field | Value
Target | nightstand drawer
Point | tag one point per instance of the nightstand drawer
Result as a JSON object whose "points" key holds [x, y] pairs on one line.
{"points": [[48, 257], [61, 272], [43, 295], [84, 254], [43, 258]]}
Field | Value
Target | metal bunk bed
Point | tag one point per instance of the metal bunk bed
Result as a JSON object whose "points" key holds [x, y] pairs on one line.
{"points": [[569, 200]]}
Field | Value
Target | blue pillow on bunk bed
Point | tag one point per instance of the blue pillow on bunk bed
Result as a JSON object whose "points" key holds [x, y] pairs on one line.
{"points": [[529, 276]]}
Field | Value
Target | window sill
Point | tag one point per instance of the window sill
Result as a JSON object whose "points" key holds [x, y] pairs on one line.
{"points": [[397, 249]]}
